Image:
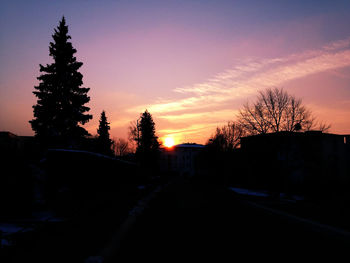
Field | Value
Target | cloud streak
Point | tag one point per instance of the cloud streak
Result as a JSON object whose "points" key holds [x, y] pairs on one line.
{"points": [[244, 80]]}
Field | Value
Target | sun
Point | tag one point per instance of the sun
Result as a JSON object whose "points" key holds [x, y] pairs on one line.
{"points": [[169, 142]]}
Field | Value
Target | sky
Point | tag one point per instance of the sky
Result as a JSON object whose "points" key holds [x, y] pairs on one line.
{"points": [[191, 64]]}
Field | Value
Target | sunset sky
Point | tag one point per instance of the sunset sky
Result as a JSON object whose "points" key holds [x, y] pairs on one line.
{"points": [[192, 64]]}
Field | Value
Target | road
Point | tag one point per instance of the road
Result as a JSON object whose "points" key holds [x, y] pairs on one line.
{"points": [[193, 220]]}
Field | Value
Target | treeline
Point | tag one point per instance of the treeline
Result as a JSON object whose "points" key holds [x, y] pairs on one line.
{"points": [[64, 161], [275, 143], [61, 109], [274, 110]]}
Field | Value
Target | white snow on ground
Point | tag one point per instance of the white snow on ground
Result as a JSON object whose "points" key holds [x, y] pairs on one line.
{"points": [[5, 242], [46, 216], [10, 228], [28, 224], [43, 216], [7, 229], [95, 259], [244, 191], [298, 197], [283, 196], [292, 198]]}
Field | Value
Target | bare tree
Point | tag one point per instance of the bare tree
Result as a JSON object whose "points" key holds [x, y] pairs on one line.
{"points": [[274, 103], [121, 147], [318, 125], [252, 119], [134, 133], [275, 110], [227, 137]]}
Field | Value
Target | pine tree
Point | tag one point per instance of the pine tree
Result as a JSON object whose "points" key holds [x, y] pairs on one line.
{"points": [[60, 105], [148, 144], [103, 140]]}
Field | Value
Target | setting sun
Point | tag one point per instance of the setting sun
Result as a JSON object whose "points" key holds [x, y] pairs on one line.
{"points": [[169, 142]]}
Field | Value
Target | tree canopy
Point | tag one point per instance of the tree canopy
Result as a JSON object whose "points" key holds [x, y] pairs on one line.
{"points": [[103, 140], [143, 132], [148, 140], [61, 100], [275, 110], [227, 138], [121, 147]]}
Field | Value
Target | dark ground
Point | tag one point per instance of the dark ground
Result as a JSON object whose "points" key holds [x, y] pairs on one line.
{"points": [[78, 237], [194, 221], [189, 220]]}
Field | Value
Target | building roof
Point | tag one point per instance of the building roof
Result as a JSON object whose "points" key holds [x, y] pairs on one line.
{"points": [[7, 134], [182, 146], [290, 133], [189, 145]]}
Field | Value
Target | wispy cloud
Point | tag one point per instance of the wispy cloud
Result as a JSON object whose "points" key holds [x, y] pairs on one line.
{"points": [[245, 79], [224, 115]]}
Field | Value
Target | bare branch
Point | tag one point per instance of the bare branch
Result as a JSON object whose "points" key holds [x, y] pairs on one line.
{"points": [[228, 137], [275, 110]]}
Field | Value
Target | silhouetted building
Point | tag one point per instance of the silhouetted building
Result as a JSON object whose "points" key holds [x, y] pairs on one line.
{"points": [[17, 146], [8, 142], [181, 158], [297, 161]]}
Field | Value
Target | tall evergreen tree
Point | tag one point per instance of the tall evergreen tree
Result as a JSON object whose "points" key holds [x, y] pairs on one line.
{"points": [[103, 140], [148, 145], [61, 99]]}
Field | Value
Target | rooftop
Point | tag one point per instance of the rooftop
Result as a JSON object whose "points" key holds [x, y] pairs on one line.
{"points": [[189, 145]]}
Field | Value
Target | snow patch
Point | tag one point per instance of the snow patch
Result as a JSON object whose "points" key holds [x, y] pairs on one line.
{"points": [[282, 196], [244, 191], [5, 242], [10, 228]]}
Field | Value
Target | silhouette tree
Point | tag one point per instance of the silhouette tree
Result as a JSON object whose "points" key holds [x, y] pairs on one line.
{"points": [[134, 134], [275, 110], [148, 139], [121, 147], [227, 138], [144, 134], [61, 99], [103, 141]]}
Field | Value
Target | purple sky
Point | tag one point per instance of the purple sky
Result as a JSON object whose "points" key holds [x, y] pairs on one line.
{"points": [[192, 64]]}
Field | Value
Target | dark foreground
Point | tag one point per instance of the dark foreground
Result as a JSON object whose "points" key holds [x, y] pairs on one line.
{"points": [[192, 220], [189, 220]]}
